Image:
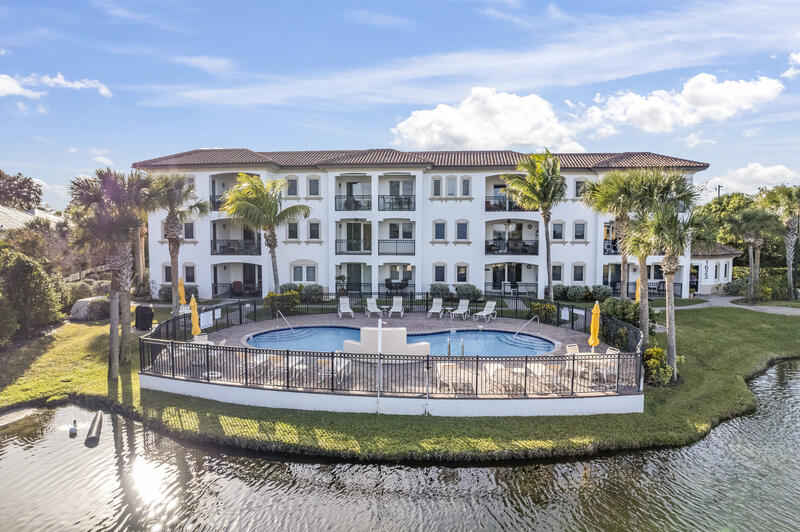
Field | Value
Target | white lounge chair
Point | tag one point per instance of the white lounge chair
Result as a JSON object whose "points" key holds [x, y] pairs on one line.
{"points": [[436, 308], [462, 310], [488, 313], [372, 307], [344, 307], [572, 349], [397, 306]]}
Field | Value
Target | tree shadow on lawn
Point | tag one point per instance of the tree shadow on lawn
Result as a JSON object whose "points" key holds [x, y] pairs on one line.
{"points": [[15, 362]]}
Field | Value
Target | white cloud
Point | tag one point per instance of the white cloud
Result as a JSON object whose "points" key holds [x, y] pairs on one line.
{"points": [[749, 178], [794, 66], [3, 51], [59, 81], [119, 12], [752, 132], [595, 49], [12, 87], [103, 160], [21, 108], [487, 119], [213, 65], [41, 138], [57, 196], [378, 20], [702, 99], [694, 139], [73, 150]]}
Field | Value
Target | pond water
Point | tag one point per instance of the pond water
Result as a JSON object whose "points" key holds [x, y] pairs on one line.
{"points": [[486, 343], [743, 476]]}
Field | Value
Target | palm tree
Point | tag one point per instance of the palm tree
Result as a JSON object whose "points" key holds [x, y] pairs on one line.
{"points": [[784, 201], [752, 225], [541, 188], [651, 188], [175, 194], [613, 196], [673, 232], [258, 204], [105, 221]]}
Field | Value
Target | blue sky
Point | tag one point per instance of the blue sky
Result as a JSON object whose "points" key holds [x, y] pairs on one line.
{"points": [[89, 83]]}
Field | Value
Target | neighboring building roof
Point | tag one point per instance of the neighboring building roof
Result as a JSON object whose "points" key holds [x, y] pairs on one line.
{"points": [[715, 250], [11, 218], [392, 157]]}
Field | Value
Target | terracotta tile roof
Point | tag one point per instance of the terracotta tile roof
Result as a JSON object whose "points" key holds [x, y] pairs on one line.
{"points": [[390, 157], [714, 250]]}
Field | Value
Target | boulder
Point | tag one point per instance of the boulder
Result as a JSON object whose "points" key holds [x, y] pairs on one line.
{"points": [[89, 309]]}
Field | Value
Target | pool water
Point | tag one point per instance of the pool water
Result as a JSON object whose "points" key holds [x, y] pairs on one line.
{"points": [[484, 343]]}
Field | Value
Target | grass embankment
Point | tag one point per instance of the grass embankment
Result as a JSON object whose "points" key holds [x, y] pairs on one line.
{"points": [[722, 347], [660, 302], [777, 303]]}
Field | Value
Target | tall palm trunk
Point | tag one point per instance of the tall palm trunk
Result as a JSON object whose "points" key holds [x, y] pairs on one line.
{"points": [[113, 327], [670, 267], [271, 240], [751, 267], [790, 240], [644, 303], [174, 249], [757, 270], [125, 277], [619, 227], [546, 220], [138, 250]]}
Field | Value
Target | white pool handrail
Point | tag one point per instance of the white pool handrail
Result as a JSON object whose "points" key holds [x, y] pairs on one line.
{"points": [[525, 325], [284, 319]]}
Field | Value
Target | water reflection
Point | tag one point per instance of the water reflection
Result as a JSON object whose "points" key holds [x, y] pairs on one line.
{"points": [[742, 476]]}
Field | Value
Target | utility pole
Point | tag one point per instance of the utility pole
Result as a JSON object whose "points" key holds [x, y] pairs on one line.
{"points": [[719, 190]]}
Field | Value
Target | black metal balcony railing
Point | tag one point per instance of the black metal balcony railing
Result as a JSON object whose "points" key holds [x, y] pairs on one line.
{"points": [[501, 203], [397, 203], [236, 247], [610, 247], [396, 287], [236, 289], [395, 246], [654, 289], [514, 288], [216, 201], [512, 246], [354, 287], [360, 202], [353, 247]]}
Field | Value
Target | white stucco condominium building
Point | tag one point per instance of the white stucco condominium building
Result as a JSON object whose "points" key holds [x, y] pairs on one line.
{"points": [[387, 220]]}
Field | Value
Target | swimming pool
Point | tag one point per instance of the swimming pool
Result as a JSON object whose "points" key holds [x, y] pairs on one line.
{"points": [[483, 343]]}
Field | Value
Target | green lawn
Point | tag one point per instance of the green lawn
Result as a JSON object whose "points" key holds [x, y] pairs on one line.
{"points": [[660, 302], [794, 303], [722, 346]]}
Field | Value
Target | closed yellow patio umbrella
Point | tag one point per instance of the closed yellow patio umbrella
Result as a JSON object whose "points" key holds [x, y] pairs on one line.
{"points": [[638, 286], [181, 292], [195, 318], [594, 338]]}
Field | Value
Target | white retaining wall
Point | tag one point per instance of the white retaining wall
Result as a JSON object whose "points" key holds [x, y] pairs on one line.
{"points": [[369, 404]]}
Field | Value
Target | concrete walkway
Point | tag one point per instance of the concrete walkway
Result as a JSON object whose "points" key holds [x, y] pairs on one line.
{"points": [[727, 301]]}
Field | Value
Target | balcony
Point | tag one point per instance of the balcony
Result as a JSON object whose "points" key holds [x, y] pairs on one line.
{"points": [[654, 289], [396, 288], [397, 203], [360, 202], [610, 247], [216, 201], [353, 287], [353, 247], [396, 246], [501, 204], [236, 289], [511, 288], [512, 247], [236, 247]]}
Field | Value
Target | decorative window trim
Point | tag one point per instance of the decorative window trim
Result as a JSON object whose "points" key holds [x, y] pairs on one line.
{"points": [[433, 271], [164, 266], [552, 228], [288, 179], [435, 240], [585, 230], [457, 240], [572, 273], [308, 187], [308, 230], [561, 265], [456, 266], [183, 270]]}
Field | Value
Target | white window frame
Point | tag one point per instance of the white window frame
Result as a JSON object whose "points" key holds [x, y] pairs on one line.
{"points": [[296, 179], [561, 277], [553, 229], [164, 267], [303, 265], [452, 180], [582, 265], [434, 180], [466, 180], [458, 265], [319, 186], [575, 229], [442, 265], [186, 277], [443, 239], [319, 230], [456, 237], [297, 236]]}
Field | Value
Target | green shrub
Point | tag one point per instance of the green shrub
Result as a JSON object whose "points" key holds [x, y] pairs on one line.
{"points": [[626, 310], [285, 302], [601, 292], [545, 311], [77, 290], [289, 287], [440, 290], [101, 288], [28, 288], [737, 287], [656, 369], [99, 309], [773, 288], [577, 293], [165, 292], [311, 293], [468, 291], [560, 292], [743, 272], [8, 322]]}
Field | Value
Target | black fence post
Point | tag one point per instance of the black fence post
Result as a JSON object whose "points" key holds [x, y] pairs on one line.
{"points": [[558, 314], [172, 357], [525, 382], [246, 377], [572, 380], [333, 372], [287, 368], [476, 375], [208, 363]]}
